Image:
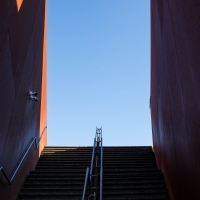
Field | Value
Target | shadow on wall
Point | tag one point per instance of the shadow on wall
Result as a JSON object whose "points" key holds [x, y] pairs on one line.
{"points": [[22, 69], [175, 83]]}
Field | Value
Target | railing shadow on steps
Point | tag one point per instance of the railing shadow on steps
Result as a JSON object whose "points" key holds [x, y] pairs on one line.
{"points": [[33, 141], [96, 175]]}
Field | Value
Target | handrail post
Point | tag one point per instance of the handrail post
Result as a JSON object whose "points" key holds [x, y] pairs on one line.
{"points": [[85, 183], [101, 172]]}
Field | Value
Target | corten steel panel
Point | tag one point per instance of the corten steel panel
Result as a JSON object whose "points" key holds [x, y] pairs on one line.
{"points": [[164, 155], [7, 9], [18, 116], [43, 107], [190, 13], [23, 46], [155, 95], [160, 103], [19, 3], [175, 61], [7, 93], [37, 85], [179, 129], [21, 30]]}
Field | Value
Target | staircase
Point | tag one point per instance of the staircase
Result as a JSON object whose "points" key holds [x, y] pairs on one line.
{"points": [[128, 173], [131, 173], [60, 174]]}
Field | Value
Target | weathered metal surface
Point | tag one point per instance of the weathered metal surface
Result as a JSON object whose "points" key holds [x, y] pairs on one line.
{"points": [[22, 69], [175, 83]]}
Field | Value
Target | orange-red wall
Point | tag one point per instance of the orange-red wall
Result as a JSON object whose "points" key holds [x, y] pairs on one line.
{"points": [[175, 94], [22, 69]]}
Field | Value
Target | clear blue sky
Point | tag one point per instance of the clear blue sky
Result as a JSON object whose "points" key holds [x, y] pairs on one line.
{"points": [[99, 72]]}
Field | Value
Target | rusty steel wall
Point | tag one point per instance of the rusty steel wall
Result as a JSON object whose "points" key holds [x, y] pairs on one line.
{"points": [[175, 94], [22, 69]]}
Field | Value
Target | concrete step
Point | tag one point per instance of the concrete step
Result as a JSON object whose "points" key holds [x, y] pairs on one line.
{"points": [[116, 182], [128, 173]]}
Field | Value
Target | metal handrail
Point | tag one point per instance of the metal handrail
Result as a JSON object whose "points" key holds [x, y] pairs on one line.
{"points": [[101, 171], [34, 140], [87, 170], [92, 159], [97, 142], [37, 145], [85, 183]]}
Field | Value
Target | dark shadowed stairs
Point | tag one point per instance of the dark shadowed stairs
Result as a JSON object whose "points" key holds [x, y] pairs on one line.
{"points": [[128, 173]]}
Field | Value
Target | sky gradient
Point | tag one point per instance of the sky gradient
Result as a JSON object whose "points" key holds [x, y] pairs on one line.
{"points": [[99, 72]]}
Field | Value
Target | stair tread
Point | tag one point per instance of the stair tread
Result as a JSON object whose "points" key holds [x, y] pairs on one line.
{"points": [[128, 173]]}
